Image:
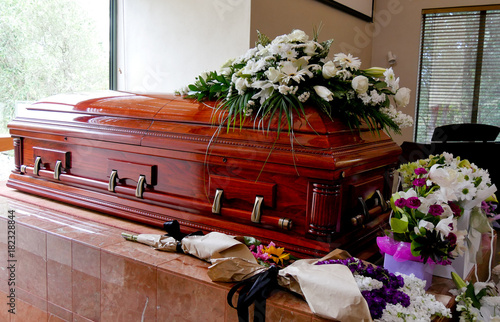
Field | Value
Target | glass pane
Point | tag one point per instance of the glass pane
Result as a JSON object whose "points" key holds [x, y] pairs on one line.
{"points": [[489, 97], [50, 47], [448, 63]]}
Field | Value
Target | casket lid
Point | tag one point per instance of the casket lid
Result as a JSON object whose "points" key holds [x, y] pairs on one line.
{"points": [[162, 121]]}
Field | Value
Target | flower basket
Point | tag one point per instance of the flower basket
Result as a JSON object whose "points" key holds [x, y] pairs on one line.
{"points": [[398, 259]]}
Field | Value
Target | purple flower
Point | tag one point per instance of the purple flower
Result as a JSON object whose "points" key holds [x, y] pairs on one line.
{"points": [[419, 171], [413, 202], [401, 202], [452, 238], [420, 182], [436, 210], [457, 211]]}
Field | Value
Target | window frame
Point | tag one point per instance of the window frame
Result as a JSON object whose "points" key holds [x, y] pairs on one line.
{"points": [[479, 58]]}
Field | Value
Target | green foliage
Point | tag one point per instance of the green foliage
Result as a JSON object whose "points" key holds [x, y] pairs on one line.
{"points": [[47, 47]]}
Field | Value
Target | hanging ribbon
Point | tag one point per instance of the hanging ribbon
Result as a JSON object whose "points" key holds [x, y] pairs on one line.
{"points": [[173, 229], [255, 289]]}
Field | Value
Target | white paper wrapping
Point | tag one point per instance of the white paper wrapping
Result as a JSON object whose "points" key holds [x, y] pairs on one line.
{"points": [[216, 245], [160, 242], [330, 290]]}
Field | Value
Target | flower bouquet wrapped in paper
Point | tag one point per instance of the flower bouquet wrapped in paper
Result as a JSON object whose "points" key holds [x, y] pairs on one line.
{"points": [[437, 217], [233, 261], [336, 286]]}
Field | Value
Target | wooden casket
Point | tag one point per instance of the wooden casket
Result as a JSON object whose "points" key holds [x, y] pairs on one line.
{"points": [[155, 158]]}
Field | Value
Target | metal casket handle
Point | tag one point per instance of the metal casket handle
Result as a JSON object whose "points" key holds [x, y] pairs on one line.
{"points": [[257, 209]]}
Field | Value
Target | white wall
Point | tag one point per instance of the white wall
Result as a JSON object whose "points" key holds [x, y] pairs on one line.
{"points": [[398, 23], [164, 44], [277, 17]]}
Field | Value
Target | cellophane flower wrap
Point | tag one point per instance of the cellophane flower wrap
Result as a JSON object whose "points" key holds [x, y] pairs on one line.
{"points": [[274, 80], [435, 193]]}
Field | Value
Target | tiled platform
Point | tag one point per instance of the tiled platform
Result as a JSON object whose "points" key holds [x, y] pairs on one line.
{"points": [[73, 265]]}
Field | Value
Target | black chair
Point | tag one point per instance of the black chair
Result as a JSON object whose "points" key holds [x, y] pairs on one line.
{"points": [[467, 132]]}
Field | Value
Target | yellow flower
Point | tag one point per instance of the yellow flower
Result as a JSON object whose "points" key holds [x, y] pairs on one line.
{"points": [[277, 254]]}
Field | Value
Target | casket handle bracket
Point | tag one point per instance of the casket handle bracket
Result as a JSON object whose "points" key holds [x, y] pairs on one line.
{"points": [[36, 167], [140, 186], [257, 209], [216, 206], [382, 201], [57, 169], [112, 181]]}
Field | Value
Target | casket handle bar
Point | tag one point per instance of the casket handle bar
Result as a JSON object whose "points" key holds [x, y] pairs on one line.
{"points": [[36, 167], [216, 206], [257, 209], [380, 204], [57, 170], [112, 181], [140, 186]]}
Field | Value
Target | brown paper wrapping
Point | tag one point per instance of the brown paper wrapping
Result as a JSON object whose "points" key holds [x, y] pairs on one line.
{"points": [[330, 290]]}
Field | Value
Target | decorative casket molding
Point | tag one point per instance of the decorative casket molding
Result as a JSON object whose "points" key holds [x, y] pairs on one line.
{"points": [[154, 158]]}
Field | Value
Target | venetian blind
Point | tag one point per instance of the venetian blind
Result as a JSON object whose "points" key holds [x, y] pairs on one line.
{"points": [[459, 79]]}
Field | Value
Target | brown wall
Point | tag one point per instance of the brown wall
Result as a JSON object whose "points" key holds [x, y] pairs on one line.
{"points": [[398, 30]]}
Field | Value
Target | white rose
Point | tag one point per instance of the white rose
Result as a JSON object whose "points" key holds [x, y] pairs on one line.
{"points": [[402, 96], [310, 48], [241, 85], [298, 35], [329, 70], [360, 84], [324, 93]]}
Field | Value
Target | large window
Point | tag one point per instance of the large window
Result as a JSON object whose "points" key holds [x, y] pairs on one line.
{"points": [[459, 79], [52, 46]]}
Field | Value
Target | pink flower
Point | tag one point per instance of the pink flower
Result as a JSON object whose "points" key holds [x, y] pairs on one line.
{"points": [[413, 202], [436, 210]]}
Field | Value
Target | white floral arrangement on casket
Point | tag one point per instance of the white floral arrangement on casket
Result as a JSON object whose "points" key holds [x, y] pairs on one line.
{"points": [[277, 77]]}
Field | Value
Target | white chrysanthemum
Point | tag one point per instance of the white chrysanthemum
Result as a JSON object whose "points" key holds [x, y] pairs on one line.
{"points": [[290, 54], [279, 48], [295, 71], [347, 61], [466, 191]]}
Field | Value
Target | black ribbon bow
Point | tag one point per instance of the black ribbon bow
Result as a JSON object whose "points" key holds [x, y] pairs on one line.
{"points": [[173, 229], [254, 289]]}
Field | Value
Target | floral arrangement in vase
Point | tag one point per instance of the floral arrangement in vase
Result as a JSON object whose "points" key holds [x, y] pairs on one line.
{"points": [[438, 193], [277, 77]]}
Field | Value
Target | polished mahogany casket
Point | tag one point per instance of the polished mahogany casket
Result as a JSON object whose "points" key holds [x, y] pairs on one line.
{"points": [[154, 158]]}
